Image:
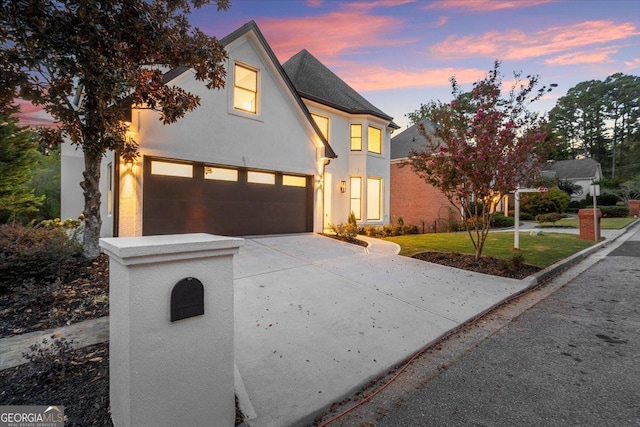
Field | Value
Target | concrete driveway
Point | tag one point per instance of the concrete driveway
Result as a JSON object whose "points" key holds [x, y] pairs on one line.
{"points": [[316, 319]]}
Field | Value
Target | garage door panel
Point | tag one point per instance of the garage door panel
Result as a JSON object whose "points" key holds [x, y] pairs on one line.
{"points": [[187, 205]]}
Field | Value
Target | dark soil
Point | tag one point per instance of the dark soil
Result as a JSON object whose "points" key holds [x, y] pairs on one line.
{"points": [[345, 239], [486, 265], [81, 295], [76, 379]]}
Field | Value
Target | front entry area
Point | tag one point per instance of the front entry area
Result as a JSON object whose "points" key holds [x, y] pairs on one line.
{"points": [[191, 197]]}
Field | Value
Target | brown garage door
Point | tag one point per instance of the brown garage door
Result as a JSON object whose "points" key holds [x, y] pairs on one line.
{"points": [[187, 197]]}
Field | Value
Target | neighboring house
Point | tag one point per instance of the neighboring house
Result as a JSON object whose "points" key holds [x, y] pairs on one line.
{"points": [[412, 199], [281, 149], [579, 171]]}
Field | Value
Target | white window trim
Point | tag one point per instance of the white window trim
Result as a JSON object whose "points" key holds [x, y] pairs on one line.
{"points": [[375, 153], [231, 91], [380, 198]]}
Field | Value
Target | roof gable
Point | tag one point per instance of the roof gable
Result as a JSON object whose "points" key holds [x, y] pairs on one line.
{"points": [[251, 26], [316, 82]]}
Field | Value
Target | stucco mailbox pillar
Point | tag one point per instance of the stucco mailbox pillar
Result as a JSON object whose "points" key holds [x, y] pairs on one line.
{"points": [[589, 224], [171, 330], [634, 207]]}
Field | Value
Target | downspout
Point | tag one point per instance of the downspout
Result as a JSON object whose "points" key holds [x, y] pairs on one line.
{"points": [[325, 163]]}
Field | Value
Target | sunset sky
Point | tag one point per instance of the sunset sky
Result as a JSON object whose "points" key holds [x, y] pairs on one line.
{"points": [[401, 53]]}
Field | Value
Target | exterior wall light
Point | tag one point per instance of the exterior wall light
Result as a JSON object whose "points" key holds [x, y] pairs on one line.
{"points": [[343, 186]]}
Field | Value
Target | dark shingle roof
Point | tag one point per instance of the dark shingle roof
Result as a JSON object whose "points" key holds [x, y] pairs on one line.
{"points": [[316, 82], [573, 169], [408, 140]]}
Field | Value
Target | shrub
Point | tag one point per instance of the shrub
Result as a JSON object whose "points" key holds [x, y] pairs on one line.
{"points": [[574, 204], [501, 221], [614, 211], [345, 231], [606, 199], [49, 363], [550, 217], [555, 200], [33, 252]]}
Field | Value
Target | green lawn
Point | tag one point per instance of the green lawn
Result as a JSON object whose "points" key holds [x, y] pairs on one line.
{"points": [[541, 251], [605, 223]]}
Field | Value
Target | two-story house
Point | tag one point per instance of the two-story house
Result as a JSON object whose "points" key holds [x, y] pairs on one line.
{"points": [[281, 149]]}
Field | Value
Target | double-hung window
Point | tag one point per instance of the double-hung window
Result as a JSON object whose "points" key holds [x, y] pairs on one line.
{"points": [[245, 89], [356, 137], [355, 189]]}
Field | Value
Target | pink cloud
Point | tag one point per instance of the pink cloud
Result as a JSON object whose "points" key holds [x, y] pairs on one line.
{"points": [[314, 3], [368, 5], [633, 64], [383, 78], [584, 57], [330, 35], [32, 115], [515, 44], [484, 5]]}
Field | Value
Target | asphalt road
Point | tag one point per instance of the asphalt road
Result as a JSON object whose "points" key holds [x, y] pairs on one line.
{"points": [[573, 359]]}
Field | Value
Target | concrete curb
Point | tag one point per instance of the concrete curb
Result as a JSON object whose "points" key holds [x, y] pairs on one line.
{"points": [[561, 265]]}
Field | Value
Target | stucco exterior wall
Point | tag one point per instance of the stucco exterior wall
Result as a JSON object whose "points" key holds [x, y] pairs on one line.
{"points": [[354, 163], [419, 203]]}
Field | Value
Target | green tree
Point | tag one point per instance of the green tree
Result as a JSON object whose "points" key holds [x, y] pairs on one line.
{"points": [[45, 181], [579, 118], [481, 146], [623, 108], [88, 61], [17, 151]]}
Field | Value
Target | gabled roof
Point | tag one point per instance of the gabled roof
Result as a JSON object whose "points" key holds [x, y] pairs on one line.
{"points": [[251, 26], [316, 82], [409, 140], [574, 169]]}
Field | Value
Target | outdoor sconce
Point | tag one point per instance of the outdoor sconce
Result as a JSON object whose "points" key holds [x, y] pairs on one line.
{"points": [[128, 164], [343, 186]]}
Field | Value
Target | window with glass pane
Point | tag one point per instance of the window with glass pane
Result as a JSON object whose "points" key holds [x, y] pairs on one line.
{"points": [[261, 177], [294, 181], [171, 169], [374, 198], [356, 137], [245, 89], [323, 124], [220, 174], [356, 196], [375, 140]]}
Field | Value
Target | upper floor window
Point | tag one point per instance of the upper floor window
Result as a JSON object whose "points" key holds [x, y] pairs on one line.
{"points": [[245, 89], [356, 137], [323, 124], [375, 140]]}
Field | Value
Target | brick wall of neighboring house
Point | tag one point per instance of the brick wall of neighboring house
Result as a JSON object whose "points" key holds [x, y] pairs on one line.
{"points": [[418, 203]]}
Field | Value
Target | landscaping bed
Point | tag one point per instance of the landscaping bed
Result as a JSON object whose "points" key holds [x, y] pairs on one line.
{"points": [[486, 265], [82, 293]]}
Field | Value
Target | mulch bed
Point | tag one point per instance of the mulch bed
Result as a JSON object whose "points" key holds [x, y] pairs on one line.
{"points": [[32, 306], [347, 240], [486, 265], [77, 379]]}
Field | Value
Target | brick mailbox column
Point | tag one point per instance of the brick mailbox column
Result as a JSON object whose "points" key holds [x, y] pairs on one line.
{"points": [[589, 231], [171, 330], [634, 207]]}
